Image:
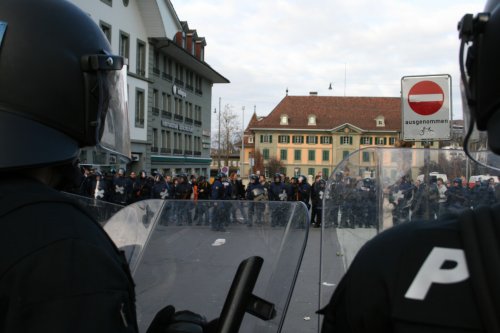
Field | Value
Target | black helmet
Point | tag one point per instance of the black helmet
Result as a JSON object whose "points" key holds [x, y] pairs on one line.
{"points": [[219, 176], [58, 85], [254, 178], [480, 74], [277, 178]]}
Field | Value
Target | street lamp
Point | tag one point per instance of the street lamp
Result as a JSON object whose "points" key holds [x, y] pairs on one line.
{"points": [[242, 140], [218, 135]]}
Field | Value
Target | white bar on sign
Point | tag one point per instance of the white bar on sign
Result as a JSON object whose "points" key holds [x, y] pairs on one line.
{"points": [[426, 98]]}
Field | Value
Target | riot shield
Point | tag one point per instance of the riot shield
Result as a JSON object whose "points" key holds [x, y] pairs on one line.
{"points": [[374, 189], [186, 253], [101, 210]]}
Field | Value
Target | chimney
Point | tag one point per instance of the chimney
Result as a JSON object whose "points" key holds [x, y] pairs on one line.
{"points": [[313, 93]]}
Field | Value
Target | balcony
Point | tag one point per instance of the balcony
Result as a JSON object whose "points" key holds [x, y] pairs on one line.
{"points": [[156, 71], [165, 150], [155, 111], [199, 92], [189, 87], [141, 72], [177, 151], [179, 82], [197, 153], [188, 152], [166, 114], [178, 117], [188, 120], [154, 149], [197, 123], [166, 76]]}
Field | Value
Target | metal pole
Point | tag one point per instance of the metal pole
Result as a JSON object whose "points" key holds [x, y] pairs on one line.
{"points": [[242, 142], [218, 153]]}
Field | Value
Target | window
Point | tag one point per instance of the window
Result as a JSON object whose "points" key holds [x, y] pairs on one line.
{"points": [[297, 155], [265, 153], [366, 156], [156, 62], [141, 58], [311, 155], [346, 140], [124, 45], [326, 140], [139, 108], [106, 28], [311, 171], [392, 141], [326, 173], [297, 139], [380, 141], [284, 120], [250, 139], [283, 154], [311, 120], [155, 137], [326, 155], [366, 140], [380, 121], [345, 154], [266, 138], [284, 139], [312, 139], [165, 139]]}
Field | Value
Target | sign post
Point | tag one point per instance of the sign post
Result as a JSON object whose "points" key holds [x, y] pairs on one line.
{"points": [[426, 107]]}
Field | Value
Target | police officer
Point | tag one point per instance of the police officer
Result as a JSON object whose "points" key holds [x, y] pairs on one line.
{"points": [[255, 192], [304, 191], [218, 193], [317, 191], [277, 192], [160, 188], [120, 188], [440, 276], [60, 270], [99, 186]]}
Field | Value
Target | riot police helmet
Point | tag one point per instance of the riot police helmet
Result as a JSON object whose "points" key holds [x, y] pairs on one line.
{"points": [[218, 176], [302, 179], [75, 94], [480, 80], [254, 178], [277, 178]]}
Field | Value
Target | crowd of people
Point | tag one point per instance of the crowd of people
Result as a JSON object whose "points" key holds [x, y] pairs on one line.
{"points": [[118, 188], [420, 200]]}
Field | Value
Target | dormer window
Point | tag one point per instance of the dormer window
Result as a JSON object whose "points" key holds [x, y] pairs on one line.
{"points": [[284, 120], [380, 121], [311, 120]]}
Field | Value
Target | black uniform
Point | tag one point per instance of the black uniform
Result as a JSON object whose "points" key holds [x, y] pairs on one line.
{"points": [[410, 278], [60, 271]]}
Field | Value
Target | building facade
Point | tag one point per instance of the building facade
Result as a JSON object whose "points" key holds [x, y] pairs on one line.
{"points": [[169, 85], [310, 135]]}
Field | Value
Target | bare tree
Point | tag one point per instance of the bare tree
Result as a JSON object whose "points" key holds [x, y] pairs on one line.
{"points": [[274, 166], [227, 135]]}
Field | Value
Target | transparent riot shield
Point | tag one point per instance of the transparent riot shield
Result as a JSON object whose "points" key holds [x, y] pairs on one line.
{"points": [[101, 210], [375, 189], [186, 253]]}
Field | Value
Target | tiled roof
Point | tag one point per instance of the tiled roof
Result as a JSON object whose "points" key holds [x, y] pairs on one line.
{"points": [[333, 111]]}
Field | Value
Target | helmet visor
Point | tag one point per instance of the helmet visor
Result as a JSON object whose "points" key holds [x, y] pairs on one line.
{"points": [[112, 131]]}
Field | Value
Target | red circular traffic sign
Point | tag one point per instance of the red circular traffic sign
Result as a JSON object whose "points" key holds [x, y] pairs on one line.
{"points": [[426, 98]]}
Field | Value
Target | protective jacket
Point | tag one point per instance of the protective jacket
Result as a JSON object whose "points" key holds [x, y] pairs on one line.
{"points": [[423, 277], [59, 270]]}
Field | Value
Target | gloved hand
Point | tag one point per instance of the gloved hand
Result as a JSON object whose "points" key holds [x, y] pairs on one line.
{"points": [[169, 321]]}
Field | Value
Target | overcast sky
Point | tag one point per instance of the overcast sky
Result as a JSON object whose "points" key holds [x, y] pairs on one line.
{"points": [[362, 47]]}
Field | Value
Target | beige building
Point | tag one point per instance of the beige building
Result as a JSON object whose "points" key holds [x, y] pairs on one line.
{"points": [[312, 134]]}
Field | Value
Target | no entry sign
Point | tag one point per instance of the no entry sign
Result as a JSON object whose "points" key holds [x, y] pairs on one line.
{"points": [[426, 107]]}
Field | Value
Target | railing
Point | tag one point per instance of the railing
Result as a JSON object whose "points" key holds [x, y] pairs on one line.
{"points": [[155, 111], [199, 92], [177, 151], [154, 149], [189, 87], [188, 152], [166, 76], [178, 117], [188, 120], [166, 114], [179, 82], [156, 71], [197, 153], [197, 123], [165, 150]]}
